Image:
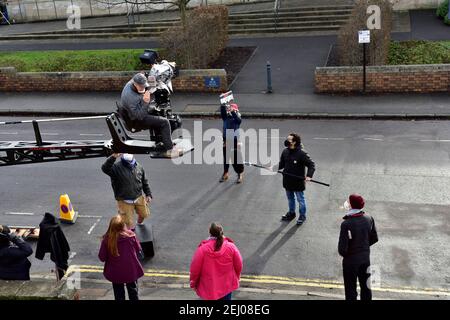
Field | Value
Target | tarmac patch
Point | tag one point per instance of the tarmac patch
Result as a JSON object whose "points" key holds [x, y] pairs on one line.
{"points": [[201, 108]]}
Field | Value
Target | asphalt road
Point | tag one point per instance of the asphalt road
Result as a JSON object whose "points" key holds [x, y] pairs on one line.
{"points": [[401, 168]]}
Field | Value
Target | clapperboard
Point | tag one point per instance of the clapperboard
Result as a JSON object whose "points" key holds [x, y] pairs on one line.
{"points": [[226, 98]]}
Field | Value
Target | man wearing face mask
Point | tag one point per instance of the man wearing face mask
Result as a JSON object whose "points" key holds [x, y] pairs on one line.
{"points": [[293, 161], [136, 100], [130, 186]]}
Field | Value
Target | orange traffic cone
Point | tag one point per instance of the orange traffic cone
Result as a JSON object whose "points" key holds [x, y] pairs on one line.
{"points": [[66, 212]]}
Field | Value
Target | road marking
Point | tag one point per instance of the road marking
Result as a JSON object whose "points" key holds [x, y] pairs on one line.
{"points": [[19, 213], [81, 216], [92, 134], [9, 132], [434, 140], [187, 286], [71, 256], [49, 134], [94, 225], [263, 279], [334, 139], [373, 139]]}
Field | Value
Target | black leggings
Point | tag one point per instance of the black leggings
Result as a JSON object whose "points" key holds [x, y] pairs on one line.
{"points": [[238, 167], [119, 291]]}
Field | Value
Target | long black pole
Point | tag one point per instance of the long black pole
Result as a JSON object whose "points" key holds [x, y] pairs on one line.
{"points": [[364, 67], [285, 173]]}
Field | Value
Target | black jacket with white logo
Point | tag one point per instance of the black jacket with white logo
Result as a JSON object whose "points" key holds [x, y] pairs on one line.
{"points": [[358, 233], [294, 161]]}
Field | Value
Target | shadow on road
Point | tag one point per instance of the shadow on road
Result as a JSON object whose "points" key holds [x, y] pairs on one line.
{"points": [[256, 263]]}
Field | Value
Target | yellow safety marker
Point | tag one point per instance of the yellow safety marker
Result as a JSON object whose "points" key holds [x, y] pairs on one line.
{"points": [[66, 212], [263, 279]]}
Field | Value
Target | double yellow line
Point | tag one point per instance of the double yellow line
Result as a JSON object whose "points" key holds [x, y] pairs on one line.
{"points": [[263, 279]]}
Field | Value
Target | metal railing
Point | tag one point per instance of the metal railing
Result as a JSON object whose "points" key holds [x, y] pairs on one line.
{"points": [[276, 10], [45, 10]]}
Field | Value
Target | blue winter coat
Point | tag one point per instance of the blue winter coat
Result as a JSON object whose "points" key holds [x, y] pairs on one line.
{"points": [[231, 121]]}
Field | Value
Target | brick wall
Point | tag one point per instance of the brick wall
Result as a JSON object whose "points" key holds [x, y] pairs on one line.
{"points": [[382, 79], [187, 81]]}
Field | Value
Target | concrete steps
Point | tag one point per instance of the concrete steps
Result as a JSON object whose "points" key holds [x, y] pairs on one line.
{"points": [[296, 9], [291, 19], [285, 30]]}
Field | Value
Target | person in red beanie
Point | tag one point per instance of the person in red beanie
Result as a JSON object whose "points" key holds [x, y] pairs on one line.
{"points": [[358, 233]]}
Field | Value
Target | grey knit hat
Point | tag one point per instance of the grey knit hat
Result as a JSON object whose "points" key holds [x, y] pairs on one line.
{"points": [[139, 78]]}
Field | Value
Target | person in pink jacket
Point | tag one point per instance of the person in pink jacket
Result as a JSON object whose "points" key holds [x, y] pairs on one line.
{"points": [[216, 266]]}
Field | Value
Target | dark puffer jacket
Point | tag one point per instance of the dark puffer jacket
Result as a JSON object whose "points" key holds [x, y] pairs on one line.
{"points": [[293, 163], [14, 264]]}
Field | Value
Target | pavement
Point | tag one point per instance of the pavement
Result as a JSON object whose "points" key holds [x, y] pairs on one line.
{"points": [[425, 106]]}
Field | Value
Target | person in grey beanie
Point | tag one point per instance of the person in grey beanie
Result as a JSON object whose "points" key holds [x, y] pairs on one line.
{"points": [[135, 98]]}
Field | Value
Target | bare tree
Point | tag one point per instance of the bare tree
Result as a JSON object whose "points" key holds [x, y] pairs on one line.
{"points": [[349, 50]]}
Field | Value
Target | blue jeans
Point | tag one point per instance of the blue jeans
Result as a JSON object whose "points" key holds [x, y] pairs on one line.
{"points": [[301, 201]]}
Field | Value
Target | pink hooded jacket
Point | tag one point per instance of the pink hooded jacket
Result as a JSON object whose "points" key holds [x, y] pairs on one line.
{"points": [[214, 274]]}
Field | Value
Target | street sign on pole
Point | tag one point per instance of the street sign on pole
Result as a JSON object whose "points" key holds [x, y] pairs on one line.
{"points": [[364, 36]]}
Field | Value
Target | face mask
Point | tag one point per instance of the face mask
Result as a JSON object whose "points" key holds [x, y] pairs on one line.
{"points": [[128, 160], [139, 91], [347, 205], [287, 144], [127, 157]]}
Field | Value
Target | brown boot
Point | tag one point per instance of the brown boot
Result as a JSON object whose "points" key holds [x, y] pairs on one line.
{"points": [[173, 153], [224, 177], [240, 178]]}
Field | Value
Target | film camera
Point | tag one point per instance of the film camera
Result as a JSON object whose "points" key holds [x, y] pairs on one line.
{"points": [[160, 86]]}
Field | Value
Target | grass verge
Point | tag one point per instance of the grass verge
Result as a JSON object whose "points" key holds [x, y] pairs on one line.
{"points": [[73, 60], [419, 52]]}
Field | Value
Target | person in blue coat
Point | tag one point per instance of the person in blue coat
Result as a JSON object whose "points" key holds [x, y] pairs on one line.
{"points": [[14, 253], [231, 123]]}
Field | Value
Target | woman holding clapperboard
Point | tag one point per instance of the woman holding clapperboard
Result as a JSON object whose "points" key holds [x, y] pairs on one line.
{"points": [[231, 123]]}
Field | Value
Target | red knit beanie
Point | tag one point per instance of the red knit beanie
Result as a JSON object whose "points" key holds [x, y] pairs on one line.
{"points": [[356, 201]]}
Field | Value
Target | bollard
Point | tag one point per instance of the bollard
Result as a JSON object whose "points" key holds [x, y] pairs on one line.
{"points": [[269, 78]]}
